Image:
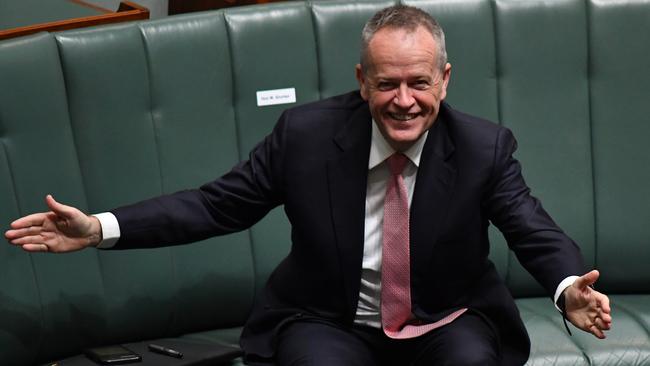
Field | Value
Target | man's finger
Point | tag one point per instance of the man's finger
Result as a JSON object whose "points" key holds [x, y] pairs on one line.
{"points": [[601, 324], [20, 233], [32, 239], [587, 280], [29, 220], [35, 247], [606, 317], [597, 332], [603, 302]]}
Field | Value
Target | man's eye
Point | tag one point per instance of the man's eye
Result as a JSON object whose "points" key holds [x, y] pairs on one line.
{"points": [[384, 85], [421, 84]]}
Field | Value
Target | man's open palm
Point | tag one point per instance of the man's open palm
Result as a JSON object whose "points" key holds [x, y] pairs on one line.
{"points": [[63, 229]]}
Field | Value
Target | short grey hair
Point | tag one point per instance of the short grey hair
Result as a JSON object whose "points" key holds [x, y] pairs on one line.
{"points": [[404, 17]]}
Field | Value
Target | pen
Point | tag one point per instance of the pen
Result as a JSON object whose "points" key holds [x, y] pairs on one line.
{"points": [[165, 351]]}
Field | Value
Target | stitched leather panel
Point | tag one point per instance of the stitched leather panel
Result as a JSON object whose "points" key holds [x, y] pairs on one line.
{"points": [[192, 108], [274, 50], [38, 156], [544, 99], [619, 85]]}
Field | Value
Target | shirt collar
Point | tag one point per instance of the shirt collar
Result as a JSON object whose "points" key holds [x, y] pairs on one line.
{"points": [[380, 149]]}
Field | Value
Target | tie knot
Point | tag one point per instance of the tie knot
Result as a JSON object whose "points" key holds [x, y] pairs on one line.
{"points": [[396, 163]]}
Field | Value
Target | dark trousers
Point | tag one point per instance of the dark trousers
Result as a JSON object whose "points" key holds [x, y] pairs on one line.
{"points": [[469, 340]]}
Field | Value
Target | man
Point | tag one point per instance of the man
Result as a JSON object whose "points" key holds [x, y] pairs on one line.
{"points": [[389, 192]]}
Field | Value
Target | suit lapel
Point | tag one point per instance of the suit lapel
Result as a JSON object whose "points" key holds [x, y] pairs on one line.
{"points": [[347, 179], [433, 190]]}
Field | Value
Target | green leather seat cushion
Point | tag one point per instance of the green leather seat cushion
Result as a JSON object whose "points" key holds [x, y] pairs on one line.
{"points": [[628, 343]]}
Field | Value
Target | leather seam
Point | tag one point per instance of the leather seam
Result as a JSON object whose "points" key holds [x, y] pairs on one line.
{"points": [[156, 140], [594, 196], [310, 6], [497, 78], [41, 335], [233, 93]]}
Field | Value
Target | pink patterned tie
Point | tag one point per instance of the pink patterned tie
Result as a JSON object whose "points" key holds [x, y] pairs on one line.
{"points": [[395, 265]]}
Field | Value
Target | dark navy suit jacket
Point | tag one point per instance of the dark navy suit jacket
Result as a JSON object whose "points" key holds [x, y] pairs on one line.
{"points": [[315, 163]]}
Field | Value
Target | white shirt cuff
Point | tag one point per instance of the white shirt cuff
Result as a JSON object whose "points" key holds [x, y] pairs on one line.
{"points": [[110, 230], [561, 287]]}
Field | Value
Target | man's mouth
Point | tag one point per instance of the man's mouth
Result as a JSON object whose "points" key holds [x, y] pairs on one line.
{"points": [[402, 116]]}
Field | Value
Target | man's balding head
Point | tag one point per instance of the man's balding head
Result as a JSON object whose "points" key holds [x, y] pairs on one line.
{"points": [[404, 17]]}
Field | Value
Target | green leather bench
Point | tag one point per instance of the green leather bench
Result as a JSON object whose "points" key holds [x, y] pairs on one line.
{"points": [[107, 116]]}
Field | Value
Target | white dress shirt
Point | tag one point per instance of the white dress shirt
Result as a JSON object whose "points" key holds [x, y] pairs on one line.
{"points": [[368, 307]]}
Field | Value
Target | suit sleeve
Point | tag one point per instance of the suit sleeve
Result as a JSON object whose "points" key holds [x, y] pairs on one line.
{"points": [[539, 244], [231, 203]]}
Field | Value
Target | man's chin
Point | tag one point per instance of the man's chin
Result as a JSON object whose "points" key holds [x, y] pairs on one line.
{"points": [[402, 142]]}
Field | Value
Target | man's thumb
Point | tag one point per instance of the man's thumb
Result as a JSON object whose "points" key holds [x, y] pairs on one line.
{"points": [[58, 208], [587, 279]]}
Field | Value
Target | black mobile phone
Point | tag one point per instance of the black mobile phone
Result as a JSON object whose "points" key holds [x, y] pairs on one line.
{"points": [[112, 355]]}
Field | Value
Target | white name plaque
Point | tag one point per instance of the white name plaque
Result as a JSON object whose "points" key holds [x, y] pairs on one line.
{"points": [[276, 96]]}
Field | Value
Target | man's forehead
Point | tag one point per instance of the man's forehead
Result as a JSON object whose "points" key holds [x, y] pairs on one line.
{"points": [[404, 50], [394, 45], [420, 33]]}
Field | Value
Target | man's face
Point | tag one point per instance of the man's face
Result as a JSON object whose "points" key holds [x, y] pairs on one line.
{"points": [[403, 84]]}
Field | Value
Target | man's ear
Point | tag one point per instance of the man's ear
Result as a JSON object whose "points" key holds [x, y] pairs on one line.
{"points": [[363, 87], [446, 76]]}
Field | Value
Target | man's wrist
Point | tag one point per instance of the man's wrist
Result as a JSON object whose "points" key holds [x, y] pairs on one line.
{"points": [[96, 235], [561, 304], [561, 287]]}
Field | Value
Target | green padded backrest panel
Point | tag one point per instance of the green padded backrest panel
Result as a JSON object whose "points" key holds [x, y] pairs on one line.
{"points": [[110, 106], [274, 49], [192, 104], [20, 307], [544, 99], [620, 91], [50, 305]]}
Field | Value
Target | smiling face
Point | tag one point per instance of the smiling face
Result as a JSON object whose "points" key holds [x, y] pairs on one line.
{"points": [[403, 83]]}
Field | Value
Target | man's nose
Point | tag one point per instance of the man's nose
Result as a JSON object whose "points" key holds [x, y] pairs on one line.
{"points": [[403, 97]]}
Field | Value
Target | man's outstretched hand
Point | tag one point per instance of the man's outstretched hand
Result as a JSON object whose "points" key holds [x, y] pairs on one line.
{"points": [[587, 308], [63, 229]]}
